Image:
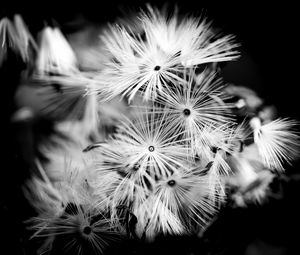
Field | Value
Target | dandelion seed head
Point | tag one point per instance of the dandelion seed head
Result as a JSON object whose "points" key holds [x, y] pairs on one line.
{"points": [[152, 64], [80, 228], [182, 201], [277, 142]]}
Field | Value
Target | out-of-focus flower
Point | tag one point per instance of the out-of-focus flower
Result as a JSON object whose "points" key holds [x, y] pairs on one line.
{"points": [[68, 218], [16, 36], [246, 97], [79, 229], [277, 141], [55, 55]]}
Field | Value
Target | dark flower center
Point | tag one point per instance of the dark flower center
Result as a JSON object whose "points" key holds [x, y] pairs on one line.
{"points": [[171, 183], [87, 230], [215, 149], [136, 167], [187, 112], [156, 68], [151, 148]]}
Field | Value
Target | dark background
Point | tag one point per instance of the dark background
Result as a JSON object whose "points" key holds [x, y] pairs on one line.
{"points": [[269, 64]]}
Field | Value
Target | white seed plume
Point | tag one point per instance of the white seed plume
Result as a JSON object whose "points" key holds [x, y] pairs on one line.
{"points": [[197, 108], [277, 142], [193, 38], [67, 210], [153, 63], [80, 229], [185, 196], [147, 141], [137, 66]]}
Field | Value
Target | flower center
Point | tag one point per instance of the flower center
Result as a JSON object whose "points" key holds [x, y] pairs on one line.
{"points": [[215, 149], [187, 112], [136, 167], [157, 68], [151, 148], [171, 183], [87, 230]]}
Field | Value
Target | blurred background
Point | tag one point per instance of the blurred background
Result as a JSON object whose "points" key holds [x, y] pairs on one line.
{"points": [[268, 64]]}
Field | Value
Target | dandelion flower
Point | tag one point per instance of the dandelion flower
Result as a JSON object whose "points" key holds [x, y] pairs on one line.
{"points": [[153, 63], [120, 179], [141, 152], [277, 142], [136, 66], [196, 106], [181, 203], [79, 230], [147, 141], [68, 216]]}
